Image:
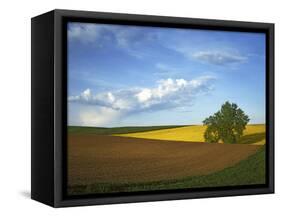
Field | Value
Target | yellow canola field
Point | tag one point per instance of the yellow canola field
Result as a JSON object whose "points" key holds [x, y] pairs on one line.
{"points": [[254, 134]]}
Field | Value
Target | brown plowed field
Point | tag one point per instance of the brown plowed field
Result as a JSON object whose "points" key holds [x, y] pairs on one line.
{"points": [[108, 159]]}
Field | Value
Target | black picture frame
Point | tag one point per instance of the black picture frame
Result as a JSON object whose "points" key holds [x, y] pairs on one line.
{"points": [[49, 106]]}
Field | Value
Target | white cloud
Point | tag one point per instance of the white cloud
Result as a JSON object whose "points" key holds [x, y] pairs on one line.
{"points": [[166, 94], [144, 95], [218, 57], [86, 33], [98, 116], [128, 38]]}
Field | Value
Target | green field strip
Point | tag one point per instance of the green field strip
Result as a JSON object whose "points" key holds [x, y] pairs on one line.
{"points": [[116, 130]]}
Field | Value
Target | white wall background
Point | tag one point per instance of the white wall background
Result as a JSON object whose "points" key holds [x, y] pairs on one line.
{"points": [[15, 106]]}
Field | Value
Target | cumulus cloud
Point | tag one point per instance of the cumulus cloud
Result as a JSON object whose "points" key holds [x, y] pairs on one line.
{"points": [[166, 94], [218, 57]]}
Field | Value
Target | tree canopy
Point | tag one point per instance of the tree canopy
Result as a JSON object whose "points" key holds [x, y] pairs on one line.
{"points": [[226, 125]]}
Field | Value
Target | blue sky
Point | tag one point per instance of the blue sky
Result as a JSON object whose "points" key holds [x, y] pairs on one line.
{"points": [[132, 76]]}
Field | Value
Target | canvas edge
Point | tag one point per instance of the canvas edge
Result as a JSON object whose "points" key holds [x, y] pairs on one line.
{"points": [[42, 146]]}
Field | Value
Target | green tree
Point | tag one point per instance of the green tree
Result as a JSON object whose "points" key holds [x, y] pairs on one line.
{"points": [[226, 125]]}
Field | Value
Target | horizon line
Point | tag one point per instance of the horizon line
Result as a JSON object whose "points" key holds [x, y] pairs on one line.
{"points": [[180, 125]]}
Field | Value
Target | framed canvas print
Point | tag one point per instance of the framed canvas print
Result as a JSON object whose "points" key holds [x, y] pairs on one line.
{"points": [[131, 108]]}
